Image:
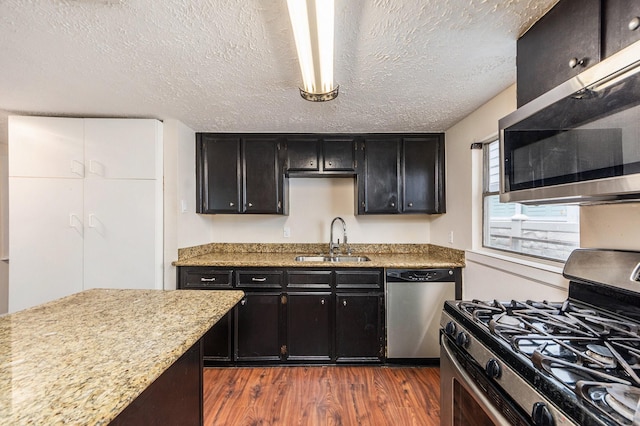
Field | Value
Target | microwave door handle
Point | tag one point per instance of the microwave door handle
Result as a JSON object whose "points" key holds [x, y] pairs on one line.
{"points": [[473, 389]]}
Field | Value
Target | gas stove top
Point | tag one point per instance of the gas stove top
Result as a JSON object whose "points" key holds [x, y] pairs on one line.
{"points": [[582, 354], [592, 352]]}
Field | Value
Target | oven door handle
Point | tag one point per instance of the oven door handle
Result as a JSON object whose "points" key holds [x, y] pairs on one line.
{"points": [[495, 415]]}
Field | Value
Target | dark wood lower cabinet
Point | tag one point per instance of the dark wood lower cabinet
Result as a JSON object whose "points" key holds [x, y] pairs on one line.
{"points": [[174, 398], [359, 331], [257, 328], [299, 315], [217, 342], [309, 326]]}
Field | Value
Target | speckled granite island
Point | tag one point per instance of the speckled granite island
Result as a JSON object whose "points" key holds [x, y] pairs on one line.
{"points": [[96, 357]]}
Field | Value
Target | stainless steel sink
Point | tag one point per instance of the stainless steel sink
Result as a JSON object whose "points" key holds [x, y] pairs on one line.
{"points": [[338, 258]]}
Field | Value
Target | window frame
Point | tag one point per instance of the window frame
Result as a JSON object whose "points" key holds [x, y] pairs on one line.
{"points": [[486, 193]]}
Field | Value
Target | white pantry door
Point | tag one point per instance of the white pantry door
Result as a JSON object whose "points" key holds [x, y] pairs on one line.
{"points": [[46, 147], [122, 148], [121, 246], [45, 240]]}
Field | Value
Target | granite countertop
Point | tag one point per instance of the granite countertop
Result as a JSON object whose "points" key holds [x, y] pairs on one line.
{"points": [[283, 255], [84, 358]]}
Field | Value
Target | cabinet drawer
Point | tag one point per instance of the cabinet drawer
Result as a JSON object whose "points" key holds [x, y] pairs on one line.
{"points": [[203, 278], [369, 278], [259, 279], [308, 279]]}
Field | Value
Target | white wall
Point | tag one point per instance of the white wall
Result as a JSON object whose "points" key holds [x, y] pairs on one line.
{"points": [[314, 202], [612, 226]]}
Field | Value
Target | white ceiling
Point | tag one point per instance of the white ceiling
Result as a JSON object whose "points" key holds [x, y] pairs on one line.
{"points": [[230, 65]]}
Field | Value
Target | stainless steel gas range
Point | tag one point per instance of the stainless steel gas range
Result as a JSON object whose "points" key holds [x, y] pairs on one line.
{"points": [[574, 362]]}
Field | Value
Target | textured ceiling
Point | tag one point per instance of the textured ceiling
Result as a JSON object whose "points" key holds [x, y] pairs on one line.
{"points": [[230, 65]]}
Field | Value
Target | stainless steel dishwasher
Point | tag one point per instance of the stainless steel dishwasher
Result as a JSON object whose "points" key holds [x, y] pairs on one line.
{"points": [[414, 300]]}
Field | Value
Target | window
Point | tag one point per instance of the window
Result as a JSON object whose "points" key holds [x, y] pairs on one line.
{"points": [[548, 231]]}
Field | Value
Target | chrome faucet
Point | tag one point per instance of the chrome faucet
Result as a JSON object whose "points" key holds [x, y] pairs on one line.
{"points": [[333, 246]]}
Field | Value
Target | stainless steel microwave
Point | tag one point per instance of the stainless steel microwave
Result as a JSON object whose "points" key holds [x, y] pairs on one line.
{"points": [[579, 142]]}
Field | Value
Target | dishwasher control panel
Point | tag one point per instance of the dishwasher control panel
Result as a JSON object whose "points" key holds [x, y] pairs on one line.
{"points": [[420, 275]]}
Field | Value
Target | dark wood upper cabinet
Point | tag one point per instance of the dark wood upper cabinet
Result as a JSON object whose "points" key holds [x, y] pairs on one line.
{"points": [[263, 183], [303, 154], [320, 156], [245, 173], [379, 178], [402, 175], [562, 44], [239, 174], [423, 189], [571, 37], [218, 174], [620, 25], [339, 154]]}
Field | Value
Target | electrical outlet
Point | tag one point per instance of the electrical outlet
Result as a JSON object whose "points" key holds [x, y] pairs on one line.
{"points": [[286, 232], [450, 237]]}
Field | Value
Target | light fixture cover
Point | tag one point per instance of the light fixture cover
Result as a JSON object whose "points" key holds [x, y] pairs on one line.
{"points": [[312, 22]]}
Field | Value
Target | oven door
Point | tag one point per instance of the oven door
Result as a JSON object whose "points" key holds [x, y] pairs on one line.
{"points": [[467, 396]]}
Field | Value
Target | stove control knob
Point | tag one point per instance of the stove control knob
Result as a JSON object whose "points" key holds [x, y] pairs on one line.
{"points": [[450, 328], [541, 415], [493, 368], [462, 339]]}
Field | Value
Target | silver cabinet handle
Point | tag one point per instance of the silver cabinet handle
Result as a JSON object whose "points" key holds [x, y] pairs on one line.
{"points": [[259, 280], [250, 205], [410, 204], [634, 24], [243, 302], [344, 303], [393, 204], [207, 280], [322, 301], [231, 204], [574, 62]]}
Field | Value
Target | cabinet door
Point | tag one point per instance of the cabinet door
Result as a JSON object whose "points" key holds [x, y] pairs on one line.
{"points": [[58, 143], [308, 326], [423, 175], [123, 148], [218, 174], [262, 176], [339, 154], [122, 245], [359, 335], [559, 46], [379, 182], [216, 343], [45, 240], [257, 334], [621, 20], [303, 154]]}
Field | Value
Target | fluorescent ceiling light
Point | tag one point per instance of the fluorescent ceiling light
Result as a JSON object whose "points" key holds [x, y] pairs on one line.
{"points": [[312, 22]]}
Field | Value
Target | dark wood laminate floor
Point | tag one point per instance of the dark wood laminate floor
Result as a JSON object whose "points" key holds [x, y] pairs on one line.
{"points": [[322, 395]]}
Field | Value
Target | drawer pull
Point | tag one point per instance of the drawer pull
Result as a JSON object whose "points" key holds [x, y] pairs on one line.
{"points": [[258, 280], [207, 280], [634, 24]]}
